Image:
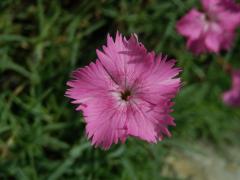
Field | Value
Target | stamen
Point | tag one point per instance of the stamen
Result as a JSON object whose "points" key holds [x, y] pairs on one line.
{"points": [[125, 95]]}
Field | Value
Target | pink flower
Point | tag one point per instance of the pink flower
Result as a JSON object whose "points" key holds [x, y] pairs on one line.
{"points": [[213, 29], [126, 92], [232, 97]]}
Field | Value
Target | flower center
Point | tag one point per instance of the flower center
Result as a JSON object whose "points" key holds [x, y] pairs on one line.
{"points": [[208, 17], [125, 95]]}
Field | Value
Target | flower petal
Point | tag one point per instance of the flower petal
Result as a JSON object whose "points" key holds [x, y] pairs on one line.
{"points": [[191, 25], [89, 82], [119, 57], [213, 39], [106, 122]]}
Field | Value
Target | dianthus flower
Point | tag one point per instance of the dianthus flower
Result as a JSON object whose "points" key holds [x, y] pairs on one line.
{"points": [[213, 29], [232, 97], [126, 92]]}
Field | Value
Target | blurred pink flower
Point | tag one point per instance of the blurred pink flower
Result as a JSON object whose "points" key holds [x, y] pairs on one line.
{"points": [[213, 29], [126, 92], [232, 97]]}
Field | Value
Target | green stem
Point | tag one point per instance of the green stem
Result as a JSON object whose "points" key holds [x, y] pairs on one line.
{"points": [[227, 67]]}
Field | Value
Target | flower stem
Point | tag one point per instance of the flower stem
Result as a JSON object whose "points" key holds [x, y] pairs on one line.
{"points": [[227, 67]]}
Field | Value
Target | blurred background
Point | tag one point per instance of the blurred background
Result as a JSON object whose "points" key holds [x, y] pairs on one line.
{"points": [[42, 136]]}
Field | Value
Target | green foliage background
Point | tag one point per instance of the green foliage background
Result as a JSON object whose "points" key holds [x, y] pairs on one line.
{"points": [[41, 42]]}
